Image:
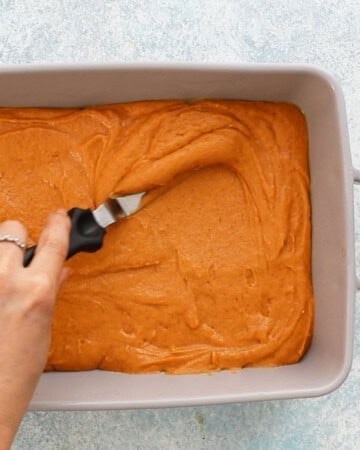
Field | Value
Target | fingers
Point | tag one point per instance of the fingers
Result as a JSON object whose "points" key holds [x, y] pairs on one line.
{"points": [[52, 246], [11, 255]]}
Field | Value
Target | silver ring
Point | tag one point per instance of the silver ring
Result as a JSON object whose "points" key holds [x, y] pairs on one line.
{"points": [[11, 238]]}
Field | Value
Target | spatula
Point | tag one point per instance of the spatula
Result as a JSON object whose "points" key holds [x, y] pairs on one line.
{"points": [[88, 227]]}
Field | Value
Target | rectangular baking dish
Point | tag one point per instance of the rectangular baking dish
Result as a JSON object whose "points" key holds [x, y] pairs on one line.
{"points": [[328, 360]]}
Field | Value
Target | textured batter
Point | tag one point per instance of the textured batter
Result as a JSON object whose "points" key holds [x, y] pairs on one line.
{"points": [[213, 272]]}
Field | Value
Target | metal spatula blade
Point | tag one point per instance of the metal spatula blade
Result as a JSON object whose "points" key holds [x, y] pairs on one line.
{"points": [[115, 208]]}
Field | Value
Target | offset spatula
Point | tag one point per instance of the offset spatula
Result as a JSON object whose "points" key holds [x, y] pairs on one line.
{"points": [[88, 227]]}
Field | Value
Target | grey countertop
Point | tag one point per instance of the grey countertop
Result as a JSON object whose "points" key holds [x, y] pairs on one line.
{"points": [[322, 32]]}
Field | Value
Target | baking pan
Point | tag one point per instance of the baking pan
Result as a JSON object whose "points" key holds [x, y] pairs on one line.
{"points": [[319, 96]]}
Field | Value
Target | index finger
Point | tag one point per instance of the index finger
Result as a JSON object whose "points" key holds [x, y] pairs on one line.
{"points": [[53, 245]]}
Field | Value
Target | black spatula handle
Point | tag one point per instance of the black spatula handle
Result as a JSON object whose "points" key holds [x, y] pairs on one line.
{"points": [[86, 235]]}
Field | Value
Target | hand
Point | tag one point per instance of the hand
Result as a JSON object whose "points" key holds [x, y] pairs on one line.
{"points": [[27, 297]]}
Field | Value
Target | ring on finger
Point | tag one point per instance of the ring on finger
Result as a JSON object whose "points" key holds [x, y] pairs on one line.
{"points": [[13, 239]]}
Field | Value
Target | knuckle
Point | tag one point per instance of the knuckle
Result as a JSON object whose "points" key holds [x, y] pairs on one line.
{"points": [[33, 294], [41, 284], [41, 290]]}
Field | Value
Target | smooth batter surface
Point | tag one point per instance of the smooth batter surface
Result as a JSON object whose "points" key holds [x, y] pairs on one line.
{"points": [[213, 272]]}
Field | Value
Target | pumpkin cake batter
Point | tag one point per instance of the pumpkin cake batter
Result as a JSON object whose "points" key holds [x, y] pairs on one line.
{"points": [[214, 272]]}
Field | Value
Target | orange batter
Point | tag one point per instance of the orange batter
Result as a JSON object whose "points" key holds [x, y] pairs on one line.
{"points": [[214, 273]]}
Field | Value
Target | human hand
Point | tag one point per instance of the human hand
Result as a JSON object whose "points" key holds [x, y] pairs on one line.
{"points": [[27, 297]]}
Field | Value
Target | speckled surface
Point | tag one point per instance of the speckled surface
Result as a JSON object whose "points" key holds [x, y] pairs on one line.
{"points": [[326, 33]]}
